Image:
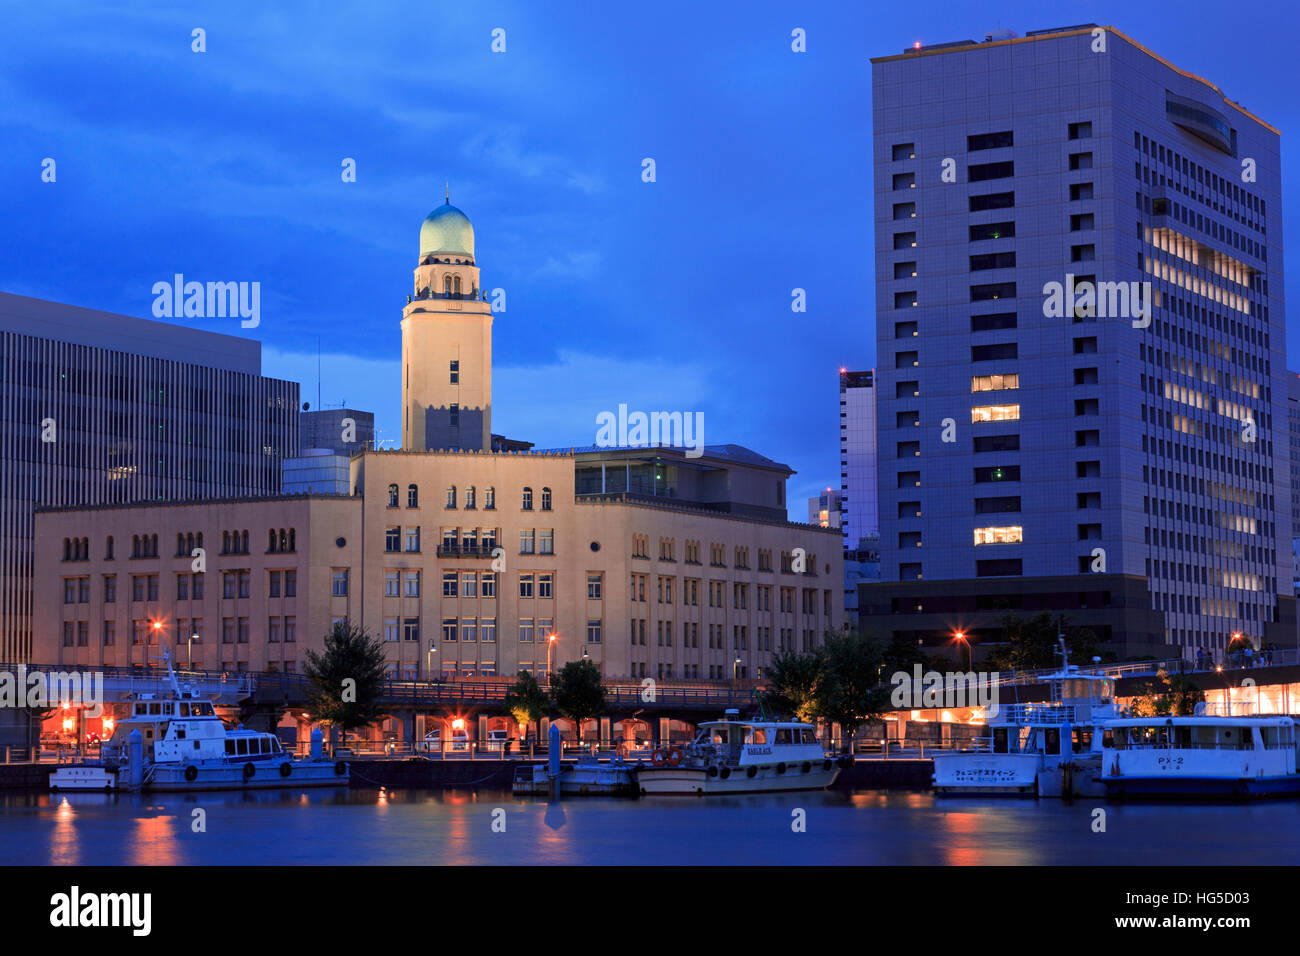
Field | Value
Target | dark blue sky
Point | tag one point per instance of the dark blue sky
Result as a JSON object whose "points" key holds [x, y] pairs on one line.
{"points": [[674, 295]]}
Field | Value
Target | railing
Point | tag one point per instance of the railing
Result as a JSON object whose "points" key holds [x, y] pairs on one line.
{"points": [[474, 551], [239, 681]]}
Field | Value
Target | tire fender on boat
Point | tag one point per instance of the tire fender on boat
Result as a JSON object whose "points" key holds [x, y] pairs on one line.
{"points": [[826, 764], [340, 769], [249, 770], [751, 772], [285, 769], [725, 773], [805, 767], [713, 771], [191, 773], [780, 768]]}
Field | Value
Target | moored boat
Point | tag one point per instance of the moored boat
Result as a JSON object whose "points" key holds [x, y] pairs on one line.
{"points": [[733, 756], [1202, 756]]}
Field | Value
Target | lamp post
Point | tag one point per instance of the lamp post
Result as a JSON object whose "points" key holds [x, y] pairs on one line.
{"points": [[735, 669], [960, 636], [550, 642], [429, 659], [189, 650]]}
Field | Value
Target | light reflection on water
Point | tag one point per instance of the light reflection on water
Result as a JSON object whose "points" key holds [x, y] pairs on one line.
{"points": [[456, 828]]}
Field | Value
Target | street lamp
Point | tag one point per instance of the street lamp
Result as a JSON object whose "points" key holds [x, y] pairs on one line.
{"points": [[960, 636], [550, 642], [429, 659], [735, 668], [189, 650]]}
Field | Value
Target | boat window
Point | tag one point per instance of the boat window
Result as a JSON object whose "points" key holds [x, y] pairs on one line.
{"points": [[196, 745], [757, 735], [719, 735], [266, 746], [241, 747], [999, 740], [783, 736], [275, 745], [153, 708], [185, 710], [230, 748], [180, 733], [167, 708]]}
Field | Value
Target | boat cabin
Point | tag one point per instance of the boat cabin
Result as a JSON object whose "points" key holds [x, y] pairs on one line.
{"points": [[741, 743]]}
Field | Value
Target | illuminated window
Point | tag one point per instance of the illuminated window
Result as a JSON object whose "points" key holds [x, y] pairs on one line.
{"points": [[994, 383], [994, 413], [1011, 535]]}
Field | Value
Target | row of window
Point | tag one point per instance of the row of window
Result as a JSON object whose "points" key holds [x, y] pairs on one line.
{"points": [[467, 498]]}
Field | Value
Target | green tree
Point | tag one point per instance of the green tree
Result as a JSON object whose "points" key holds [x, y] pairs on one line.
{"points": [[526, 700], [1167, 696], [848, 691], [578, 692], [1031, 643], [792, 684], [346, 679]]}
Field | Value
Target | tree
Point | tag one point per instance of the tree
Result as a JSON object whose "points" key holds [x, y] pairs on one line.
{"points": [[792, 682], [346, 679], [1032, 643], [848, 691], [1175, 696], [526, 701], [578, 692]]}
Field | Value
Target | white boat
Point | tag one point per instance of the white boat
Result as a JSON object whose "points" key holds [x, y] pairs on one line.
{"points": [[1048, 749], [183, 745], [1201, 756], [742, 756]]}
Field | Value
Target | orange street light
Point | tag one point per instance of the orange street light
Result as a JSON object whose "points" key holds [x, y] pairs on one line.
{"points": [[960, 636], [550, 642]]}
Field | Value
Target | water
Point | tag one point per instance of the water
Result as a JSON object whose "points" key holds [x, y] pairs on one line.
{"points": [[456, 828]]}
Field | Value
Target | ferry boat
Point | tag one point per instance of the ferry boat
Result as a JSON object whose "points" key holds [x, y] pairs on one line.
{"points": [[183, 745], [1048, 749], [742, 756], [1204, 756]]}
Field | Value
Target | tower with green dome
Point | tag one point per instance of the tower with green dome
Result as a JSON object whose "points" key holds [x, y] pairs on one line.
{"points": [[446, 342]]}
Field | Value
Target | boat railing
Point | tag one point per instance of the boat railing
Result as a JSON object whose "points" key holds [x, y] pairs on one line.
{"points": [[1035, 713], [1167, 745]]}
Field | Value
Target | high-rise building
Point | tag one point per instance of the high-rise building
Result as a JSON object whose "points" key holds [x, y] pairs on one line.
{"points": [[824, 509], [328, 438], [859, 512], [1054, 434], [447, 342], [1293, 423], [97, 408]]}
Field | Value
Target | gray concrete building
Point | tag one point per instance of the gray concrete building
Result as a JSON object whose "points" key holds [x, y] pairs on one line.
{"points": [[97, 408], [859, 478], [328, 438], [1053, 433]]}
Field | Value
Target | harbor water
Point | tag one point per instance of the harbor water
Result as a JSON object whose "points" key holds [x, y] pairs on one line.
{"points": [[418, 827]]}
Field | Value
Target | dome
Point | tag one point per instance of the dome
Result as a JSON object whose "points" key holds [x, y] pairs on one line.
{"points": [[446, 229]]}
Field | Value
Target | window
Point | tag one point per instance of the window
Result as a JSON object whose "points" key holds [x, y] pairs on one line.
{"points": [[393, 538], [526, 585], [546, 499], [453, 415], [290, 585], [411, 629], [412, 496], [593, 632], [290, 629], [391, 629], [527, 503], [993, 260], [997, 443], [487, 630], [546, 541], [110, 588], [993, 322], [468, 629], [489, 498], [525, 630], [339, 579], [451, 497], [468, 584], [1008, 535], [545, 585], [412, 540], [244, 585], [992, 201], [991, 353], [994, 413], [992, 291], [470, 497], [997, 473], [449, 584], [392, 584], [994, 383], [594, 580], [449, 629], [989, 141], [454, 372], [411, 583], [986, 171], [392, 496], [527, 541], [904, 151], [993, 230], [489, 584]]}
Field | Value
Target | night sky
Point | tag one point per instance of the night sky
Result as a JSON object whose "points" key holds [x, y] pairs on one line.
{"points": [[673, 295]]}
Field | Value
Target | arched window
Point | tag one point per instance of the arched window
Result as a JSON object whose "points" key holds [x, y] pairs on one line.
{"points": [[270, 541], [451, 496], [135, 546], [284, 540], [293, 539], [528, 499], [412, 496], [546, 499], [489, 498], [67, 549], [244, 543], [455, 285], [392, 496], [153, 546], [180, 544], [198, 541], [469, 497], [108, 551], [189, 543], [446, 284], [85, 549]]}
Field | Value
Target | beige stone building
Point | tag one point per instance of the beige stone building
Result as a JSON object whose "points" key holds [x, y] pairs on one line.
{"points": [[463, 563], [661, 562]]}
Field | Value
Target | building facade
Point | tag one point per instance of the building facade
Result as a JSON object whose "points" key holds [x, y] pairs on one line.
{"points": [[859, 477], [1048, 429], [327, 439], [464, 563], [97, 408], [824, 510]]}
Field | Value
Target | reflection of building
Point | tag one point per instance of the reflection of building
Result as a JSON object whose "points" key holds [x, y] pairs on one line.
{"points": [[1123, 469], [824, 510], [858, 457], [98, 408], [647, 561], [861, 566], [328, 439]]}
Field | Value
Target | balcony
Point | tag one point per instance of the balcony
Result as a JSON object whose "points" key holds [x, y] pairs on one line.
{"points": [[483, 550]]}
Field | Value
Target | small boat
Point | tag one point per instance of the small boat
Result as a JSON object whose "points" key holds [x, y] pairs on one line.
{"points": [[588, 777], [176, 742], [1202, 756], [742, 756], [1048, 749]]}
